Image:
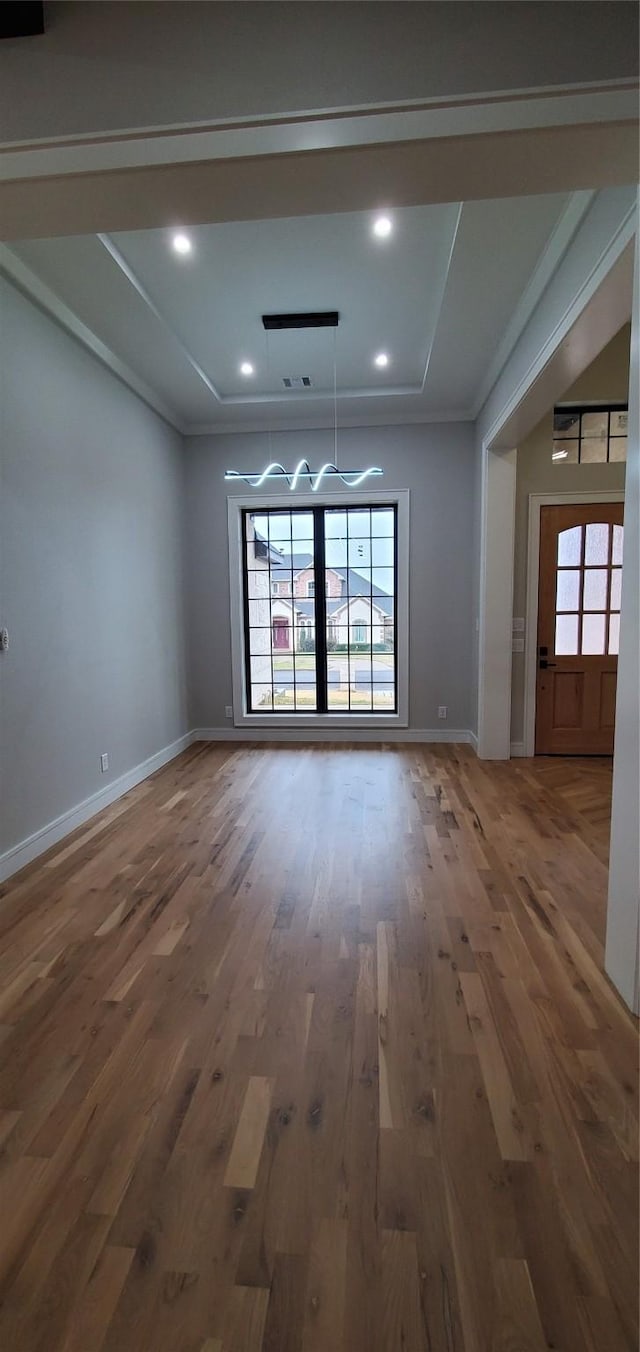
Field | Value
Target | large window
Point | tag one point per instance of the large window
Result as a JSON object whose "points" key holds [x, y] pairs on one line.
{"points": [[320, 609], [589, 434]]}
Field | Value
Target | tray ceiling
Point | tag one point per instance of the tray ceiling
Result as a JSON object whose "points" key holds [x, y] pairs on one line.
{"points": [[442, 295]]}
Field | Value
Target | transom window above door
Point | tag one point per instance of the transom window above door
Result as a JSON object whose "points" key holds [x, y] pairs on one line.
{"points": [[589, 434], [320, 609]]}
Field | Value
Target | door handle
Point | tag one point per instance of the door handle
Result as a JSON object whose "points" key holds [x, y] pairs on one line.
{"points": [[544, 664]]}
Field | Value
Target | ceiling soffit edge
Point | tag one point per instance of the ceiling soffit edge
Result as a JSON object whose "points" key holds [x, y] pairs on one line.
{"points": [[323, 129]]}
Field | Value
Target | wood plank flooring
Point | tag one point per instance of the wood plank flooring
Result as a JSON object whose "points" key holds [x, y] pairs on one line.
{"points": [[309, 1049]]}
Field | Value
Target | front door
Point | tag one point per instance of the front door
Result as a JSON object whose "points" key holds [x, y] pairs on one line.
{"points": [[578, 628], [281, 634]]}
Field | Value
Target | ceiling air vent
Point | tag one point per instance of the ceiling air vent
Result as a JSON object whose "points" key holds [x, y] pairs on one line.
{"points": [[296, 382]]}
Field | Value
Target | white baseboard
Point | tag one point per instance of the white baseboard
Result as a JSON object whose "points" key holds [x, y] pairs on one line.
{"points": [[311, 734], [27, 850], [473, 741], [517, 749]]}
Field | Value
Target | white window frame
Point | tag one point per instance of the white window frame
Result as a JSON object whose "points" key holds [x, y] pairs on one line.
{"points": [[252, 501]]}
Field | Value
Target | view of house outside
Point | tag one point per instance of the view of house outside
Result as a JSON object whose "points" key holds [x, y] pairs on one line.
{"points": [[359, 592]]}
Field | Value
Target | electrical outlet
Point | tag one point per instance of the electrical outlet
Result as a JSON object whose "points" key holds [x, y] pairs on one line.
{"points": [[104, 763], [442, 711], [228, 711]]}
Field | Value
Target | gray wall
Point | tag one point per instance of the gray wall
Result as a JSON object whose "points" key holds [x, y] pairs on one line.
{"points": [[436, 463], [91, 576], [606, 379]]}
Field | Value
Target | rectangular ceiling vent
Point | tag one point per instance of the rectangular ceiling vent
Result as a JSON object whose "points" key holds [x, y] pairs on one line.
{"points": [[305, 319], [296, 382]]}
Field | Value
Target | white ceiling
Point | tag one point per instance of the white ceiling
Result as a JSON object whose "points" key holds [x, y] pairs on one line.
{"points": [[446, 296]]}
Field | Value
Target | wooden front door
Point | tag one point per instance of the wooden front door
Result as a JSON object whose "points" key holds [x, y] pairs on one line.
{"points": [[578, 628]]}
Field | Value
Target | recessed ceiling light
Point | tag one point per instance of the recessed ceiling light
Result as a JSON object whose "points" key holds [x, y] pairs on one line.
{"points": [[181, 243], [246, 369], [381, 359], [382, 227]]}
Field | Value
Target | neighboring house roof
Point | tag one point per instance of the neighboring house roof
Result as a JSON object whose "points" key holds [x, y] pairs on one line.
{"points": [[352, 581], [264, 550], [282, 565]]}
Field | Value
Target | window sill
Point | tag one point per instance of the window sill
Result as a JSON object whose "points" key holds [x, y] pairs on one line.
{"points": [[337, 720]]}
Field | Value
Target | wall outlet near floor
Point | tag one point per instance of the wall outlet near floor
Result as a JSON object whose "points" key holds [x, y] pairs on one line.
{"points": [[442, 711], [228, 711], [104, 763]]}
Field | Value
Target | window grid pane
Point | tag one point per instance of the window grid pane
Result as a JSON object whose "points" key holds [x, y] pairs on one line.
{"points": [[614, 634], [616, 588], [566, 644], [617, 449], [570, 547], [568, 589], [589, 434], [593, 635], [593, 451], [280, 609], [596, 549], [595, 589], [360, 625]]}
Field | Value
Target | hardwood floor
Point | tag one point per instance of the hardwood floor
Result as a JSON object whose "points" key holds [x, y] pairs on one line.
{"points": [[310, 1050]]}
